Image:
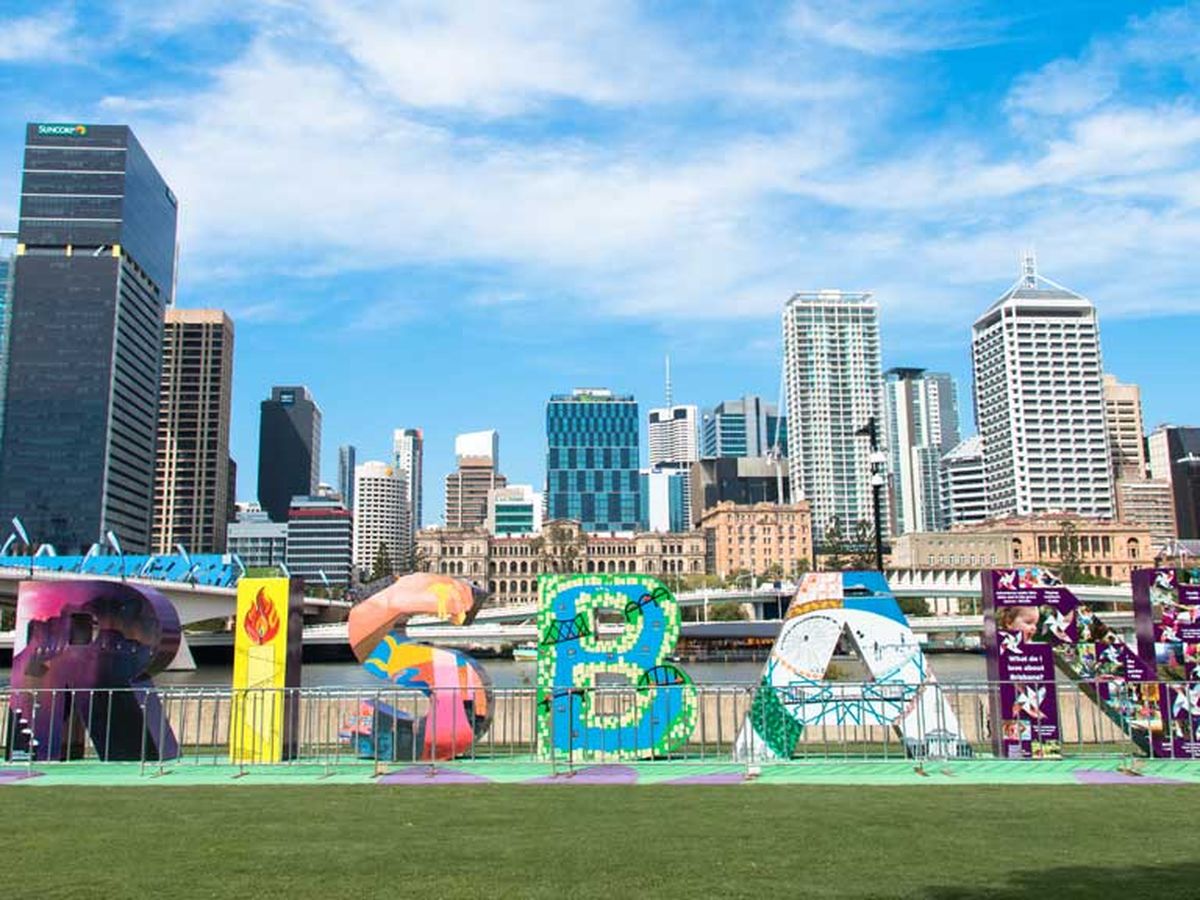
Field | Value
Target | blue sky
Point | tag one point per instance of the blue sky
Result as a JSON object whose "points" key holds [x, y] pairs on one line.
{"points": [[435, 214]]}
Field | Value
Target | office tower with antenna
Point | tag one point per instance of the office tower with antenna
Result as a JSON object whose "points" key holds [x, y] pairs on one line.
{"points": [[1039, 401]]}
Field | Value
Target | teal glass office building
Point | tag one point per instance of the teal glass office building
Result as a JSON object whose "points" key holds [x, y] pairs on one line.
{"points": [[592, 472]]}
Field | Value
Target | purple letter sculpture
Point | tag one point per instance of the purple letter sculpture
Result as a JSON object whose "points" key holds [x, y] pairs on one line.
{"points": [[1166, 607], [1032, 624], [83, 655]]}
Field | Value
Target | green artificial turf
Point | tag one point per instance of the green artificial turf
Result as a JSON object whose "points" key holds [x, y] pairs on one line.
{"points": [[493, 841]]}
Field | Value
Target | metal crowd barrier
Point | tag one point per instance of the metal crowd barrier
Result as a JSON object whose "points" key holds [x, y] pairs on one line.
{"points": [[328, 723]]}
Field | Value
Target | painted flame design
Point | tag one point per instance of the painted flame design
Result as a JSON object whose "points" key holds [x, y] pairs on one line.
{"points": [[262, 619]]}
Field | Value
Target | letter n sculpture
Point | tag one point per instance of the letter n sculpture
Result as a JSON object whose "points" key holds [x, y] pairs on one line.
{"points": [[605, 689], [267, 647], [82, 659]]}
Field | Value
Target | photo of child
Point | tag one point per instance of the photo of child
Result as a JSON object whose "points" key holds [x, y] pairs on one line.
{"points": [[1021, 619], [1017, 730]]}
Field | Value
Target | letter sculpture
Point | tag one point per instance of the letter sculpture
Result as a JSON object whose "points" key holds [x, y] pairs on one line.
{"points": [[458, 687], [83, 655], [1033, 624], [267, 656], [1166, 607], [793, 694], [656, 710]]}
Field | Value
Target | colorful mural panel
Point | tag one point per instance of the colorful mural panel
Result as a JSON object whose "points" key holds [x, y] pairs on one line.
{"points": [[267, 655], [458, 689], [1033, 625], [94, 644], [1166, 605], [793, 694], [649, 708]]}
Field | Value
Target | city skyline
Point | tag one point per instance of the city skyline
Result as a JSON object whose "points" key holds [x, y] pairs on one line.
{"points": [[1043, 145]]}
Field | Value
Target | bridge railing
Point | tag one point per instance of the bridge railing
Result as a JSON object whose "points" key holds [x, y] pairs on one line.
{"points": [[175, 726]]}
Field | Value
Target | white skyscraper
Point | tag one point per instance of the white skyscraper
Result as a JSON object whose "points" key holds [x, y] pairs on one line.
{"points": [[674, 436], [408, 451], [380, 514], [1039, 401], [963, 498], [834, 381], [922, 425]]}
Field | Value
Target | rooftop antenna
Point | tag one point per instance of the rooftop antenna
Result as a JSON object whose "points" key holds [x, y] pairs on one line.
{"points": [[668, 381], [1029, 274]]}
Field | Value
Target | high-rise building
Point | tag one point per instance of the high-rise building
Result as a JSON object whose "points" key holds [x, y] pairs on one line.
{"points": [[963, 497], [592, 456], [741, 480], [513, 510], [922, 425], [320, 539], [1039, 401], [1126, 431], [477, 474], [746, 427], [380, 516], [231, 492], [191, 485], [834, 379], [8, 250], [289, 449], [673, 435], [346, 463], [1148, 501], [95, 270], [257, 541], [408, 455], [666, 498], [1175, 458]]}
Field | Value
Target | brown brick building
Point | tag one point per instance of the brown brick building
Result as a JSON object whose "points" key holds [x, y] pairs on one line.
{"points": [[509, 565], [758, 537]]}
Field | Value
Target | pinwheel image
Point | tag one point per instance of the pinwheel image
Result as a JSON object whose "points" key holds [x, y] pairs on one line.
{"points": [[1029, 702], [1056, 624]]}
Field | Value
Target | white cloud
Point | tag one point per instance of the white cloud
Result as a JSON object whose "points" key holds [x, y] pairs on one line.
{"points": [[1167, 39], [893, 27], [499, 58], [36, 38], [370, 137]]}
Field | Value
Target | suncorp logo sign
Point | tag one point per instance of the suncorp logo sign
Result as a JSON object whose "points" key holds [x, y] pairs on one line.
{"points": [[62, 130]]}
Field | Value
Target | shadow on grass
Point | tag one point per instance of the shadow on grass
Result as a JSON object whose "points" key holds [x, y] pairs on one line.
{"points": [[1178, 880]]}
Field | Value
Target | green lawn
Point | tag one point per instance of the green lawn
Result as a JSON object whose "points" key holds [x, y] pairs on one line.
{"points": [[572, 842]]}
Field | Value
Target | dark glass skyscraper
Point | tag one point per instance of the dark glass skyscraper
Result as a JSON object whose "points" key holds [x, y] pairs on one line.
{"points": [[592, 460], [289, 449], [8, 248], [94, 272]]}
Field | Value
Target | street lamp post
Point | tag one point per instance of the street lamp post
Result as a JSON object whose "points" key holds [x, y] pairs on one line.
{"points": [[878, 468]]}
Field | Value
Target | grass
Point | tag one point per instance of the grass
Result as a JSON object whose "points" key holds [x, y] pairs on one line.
{"points": [[492, 841]]}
